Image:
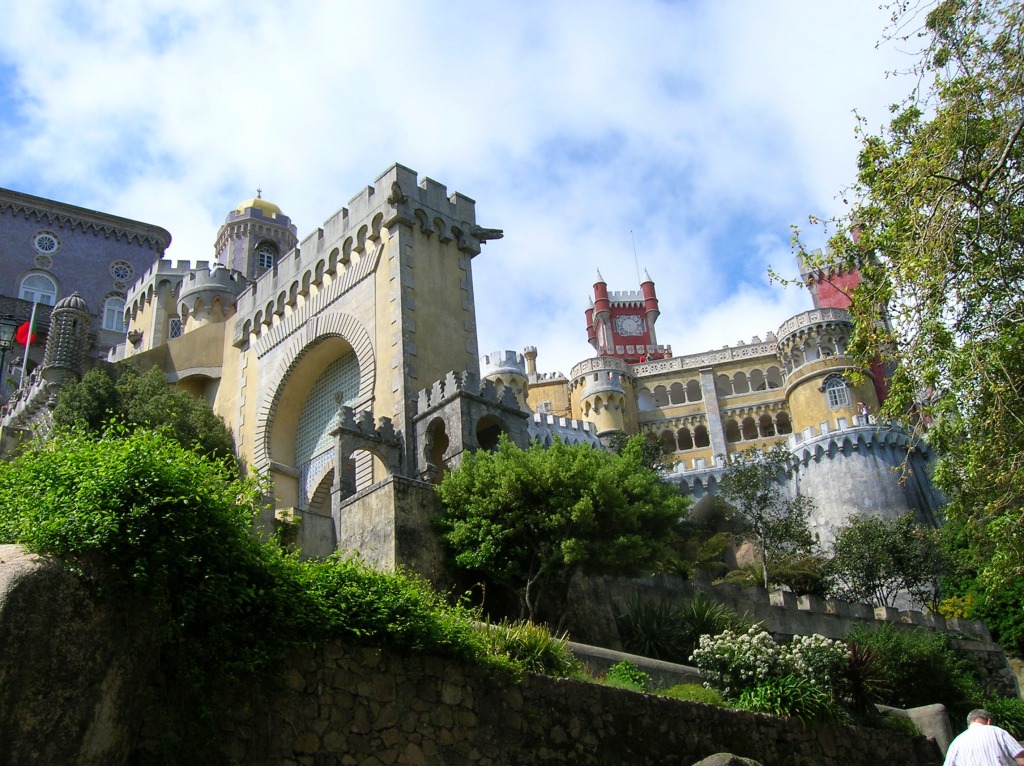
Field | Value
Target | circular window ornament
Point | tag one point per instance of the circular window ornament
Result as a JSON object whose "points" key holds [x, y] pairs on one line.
{"points": [[43, 262], [122, 271], [46, 242]]}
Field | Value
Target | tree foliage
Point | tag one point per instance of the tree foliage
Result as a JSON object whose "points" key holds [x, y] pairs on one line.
{"points": [[532, 519], [755, 485], [939, 202], [875, 560], [142, 399]]}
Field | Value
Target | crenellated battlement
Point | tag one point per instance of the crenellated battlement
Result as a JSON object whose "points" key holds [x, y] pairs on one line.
{"points": [[626, 298], [827, 442], [540, 377], [456, 384], [346, 246], [163, 270], [785, 613], [545, 428], [363, 424], [503, 363], [213, 278]]}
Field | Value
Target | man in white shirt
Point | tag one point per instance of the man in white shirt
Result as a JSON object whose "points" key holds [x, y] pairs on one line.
{"points": [[984, 744]]}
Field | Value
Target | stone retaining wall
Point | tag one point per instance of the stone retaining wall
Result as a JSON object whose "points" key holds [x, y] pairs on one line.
{"points": [[361, 706]]}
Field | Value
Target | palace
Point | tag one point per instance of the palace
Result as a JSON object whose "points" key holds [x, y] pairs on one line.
{"points": [[346, 364]]}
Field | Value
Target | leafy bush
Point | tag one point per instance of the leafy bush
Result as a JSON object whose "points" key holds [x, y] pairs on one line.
{"points": [[626, 675], [665, 630], [733, 662], [651, 628], [792, 695], [694, 693], [897, 723], [864, 680], [124, 395], [168, 533], [1008, 713], [532, 648], [922, 667]]}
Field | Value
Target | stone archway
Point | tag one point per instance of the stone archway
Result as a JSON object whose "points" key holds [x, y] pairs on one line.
{"points": [[315, 345]]}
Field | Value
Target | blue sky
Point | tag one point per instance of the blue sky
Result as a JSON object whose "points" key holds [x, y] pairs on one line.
{"points": [[701, 130]]}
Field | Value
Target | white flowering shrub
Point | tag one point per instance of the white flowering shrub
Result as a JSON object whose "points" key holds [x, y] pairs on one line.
{"points": [[733, 662]]}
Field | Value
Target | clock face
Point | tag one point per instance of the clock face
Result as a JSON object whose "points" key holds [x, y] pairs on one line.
{"points": [[629, 325]]}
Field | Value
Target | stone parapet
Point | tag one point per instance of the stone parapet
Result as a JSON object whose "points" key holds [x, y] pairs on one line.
{"points": [[545, 428], [739, 353]]}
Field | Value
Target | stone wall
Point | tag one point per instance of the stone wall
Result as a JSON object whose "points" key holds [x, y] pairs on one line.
{"points": [[73, 681], [595, 602], [70, 669], [345, 705]]}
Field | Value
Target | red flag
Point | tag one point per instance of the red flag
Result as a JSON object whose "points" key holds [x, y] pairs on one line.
{"points": [[23, 336]]}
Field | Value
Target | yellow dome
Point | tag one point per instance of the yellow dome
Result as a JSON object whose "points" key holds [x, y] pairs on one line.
{"points": [[267, 208]]}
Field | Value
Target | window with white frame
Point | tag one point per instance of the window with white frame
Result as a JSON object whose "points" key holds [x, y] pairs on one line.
{"points": [[174, 327], [38, 288], [837, 391], [113, 314], [265, 255]]}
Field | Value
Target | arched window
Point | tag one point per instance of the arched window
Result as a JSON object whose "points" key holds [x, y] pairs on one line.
{"points": [[693, 392], [38, 288], [732, 431], [677, 394], [783, 424], [660, 396], [645, 401], [701, 437], [837, 391], [266, 254], [749, 428], [740, 385], [668, 442], [684, 439], [113, 314]]}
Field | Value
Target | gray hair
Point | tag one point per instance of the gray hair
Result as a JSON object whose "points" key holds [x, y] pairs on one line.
{"points": [[978, 715]]}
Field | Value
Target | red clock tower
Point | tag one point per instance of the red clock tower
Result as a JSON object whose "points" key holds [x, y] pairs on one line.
{"points": [[621, 323]]}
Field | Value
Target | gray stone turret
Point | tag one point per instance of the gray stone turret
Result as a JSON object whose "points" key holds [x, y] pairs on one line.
{"points": [[207, 296], [68, 341]]}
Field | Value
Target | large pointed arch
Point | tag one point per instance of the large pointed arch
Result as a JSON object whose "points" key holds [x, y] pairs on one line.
{"points": [[301, 346]]}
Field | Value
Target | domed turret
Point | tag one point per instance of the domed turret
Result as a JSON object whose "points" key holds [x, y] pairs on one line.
{"points": [[265, 206], [254, 237]]}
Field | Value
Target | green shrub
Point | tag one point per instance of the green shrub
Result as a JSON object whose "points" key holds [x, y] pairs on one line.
{"points": [[1008, 713], [922, 667], [665, 630], [626, 675], [864, 680], [651, 628], [531, 648], [694, 693], [791, 695], [168, 534], [897, 723]]}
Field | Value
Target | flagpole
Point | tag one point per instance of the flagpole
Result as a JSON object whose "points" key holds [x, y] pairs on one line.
{"points": [[28, 342]]}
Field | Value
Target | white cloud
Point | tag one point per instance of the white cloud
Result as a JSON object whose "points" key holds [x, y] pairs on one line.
{"points": [[705, 128]]}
